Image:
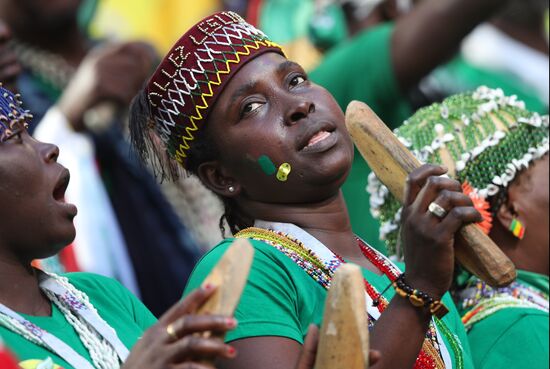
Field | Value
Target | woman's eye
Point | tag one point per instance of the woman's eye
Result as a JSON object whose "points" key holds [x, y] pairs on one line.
{"points": [[11, 135], [249, 108], [297, 80]]}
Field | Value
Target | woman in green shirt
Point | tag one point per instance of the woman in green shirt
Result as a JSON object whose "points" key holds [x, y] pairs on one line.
{"points": [[499, 152], [225, 104], [77, 320]]}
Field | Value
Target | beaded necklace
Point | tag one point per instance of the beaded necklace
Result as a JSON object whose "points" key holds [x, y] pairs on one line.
{"points": [[483, 300], [49, 67], [105, 348], [430, 356]]}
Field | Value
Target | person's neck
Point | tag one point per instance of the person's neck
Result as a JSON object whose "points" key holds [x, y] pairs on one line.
{"points": [[20, 290], [326, 220], [527, 254], [72, 45]]}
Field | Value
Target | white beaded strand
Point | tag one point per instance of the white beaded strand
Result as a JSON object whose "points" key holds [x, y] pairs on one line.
{"points": [[102, 353]]}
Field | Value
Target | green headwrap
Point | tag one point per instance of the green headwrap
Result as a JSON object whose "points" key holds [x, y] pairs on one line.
{"points": [[484, 138]]}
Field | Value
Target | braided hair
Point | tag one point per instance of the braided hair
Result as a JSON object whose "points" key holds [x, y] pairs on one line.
{"points": [[150, 149]]}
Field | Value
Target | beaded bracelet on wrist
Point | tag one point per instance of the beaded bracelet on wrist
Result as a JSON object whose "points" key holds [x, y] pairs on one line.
{"points": [[418, 298]]}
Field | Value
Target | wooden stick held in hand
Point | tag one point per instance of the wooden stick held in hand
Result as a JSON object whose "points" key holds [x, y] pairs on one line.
{"points": [[229, 276], [392, 162], [344, 336]]}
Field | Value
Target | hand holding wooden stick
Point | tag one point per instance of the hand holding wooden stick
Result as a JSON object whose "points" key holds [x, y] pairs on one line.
{"points": [[392, 162]]}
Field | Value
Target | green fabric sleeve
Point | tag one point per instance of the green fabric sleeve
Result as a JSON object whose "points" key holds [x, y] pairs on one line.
{"points": [[114, 303], [274, 301], [97, 286], [511, 338]]}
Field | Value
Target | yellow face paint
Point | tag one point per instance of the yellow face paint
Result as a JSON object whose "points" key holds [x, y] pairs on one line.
{"points": [[283, 172]]}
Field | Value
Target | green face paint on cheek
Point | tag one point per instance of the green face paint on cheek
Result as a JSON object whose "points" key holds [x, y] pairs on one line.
{"points": [[267, 165]]}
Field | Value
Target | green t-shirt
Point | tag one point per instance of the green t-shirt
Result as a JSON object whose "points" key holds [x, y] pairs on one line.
{"points": [[362, 69], [114, 303], [513, 337], [460, 76], [280, 299]]}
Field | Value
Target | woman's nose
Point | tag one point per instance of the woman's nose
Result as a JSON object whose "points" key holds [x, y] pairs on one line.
{"points": [[299, 110], [50, 152]]}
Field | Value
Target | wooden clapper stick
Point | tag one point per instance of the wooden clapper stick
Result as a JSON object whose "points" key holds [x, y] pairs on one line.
{"points": [[391, 161], [229, 276], [344, 335]]}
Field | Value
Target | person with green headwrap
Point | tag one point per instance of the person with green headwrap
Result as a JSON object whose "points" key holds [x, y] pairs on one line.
{"points": [[499, 152]]}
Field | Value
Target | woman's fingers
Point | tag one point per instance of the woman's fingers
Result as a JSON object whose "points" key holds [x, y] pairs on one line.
{"points": [[309, 350], [447, 200], [433, 188], [195, 347], [190, 304], [190, 324], [417, 179], [458, 217], [192, 366], [374, 357]]}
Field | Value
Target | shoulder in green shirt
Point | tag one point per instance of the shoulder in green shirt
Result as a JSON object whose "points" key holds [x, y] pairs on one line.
{"points": [[362, 69], [114, 303], [513, 337], [280, 299]]}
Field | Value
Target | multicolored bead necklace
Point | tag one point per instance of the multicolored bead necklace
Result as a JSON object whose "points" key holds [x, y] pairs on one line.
{"points": [[430, 355], [484, 300]]}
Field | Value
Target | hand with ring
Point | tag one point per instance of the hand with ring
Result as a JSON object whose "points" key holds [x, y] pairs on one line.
{"points": [[181, 339], [434, 209], [437, 210]]}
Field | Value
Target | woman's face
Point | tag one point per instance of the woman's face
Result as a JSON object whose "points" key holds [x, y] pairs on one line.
{"points": [[530, 193], [270, 115], [35, 221]]}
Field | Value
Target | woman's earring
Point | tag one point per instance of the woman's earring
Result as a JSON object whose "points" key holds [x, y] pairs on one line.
{"points": [[231, 189], [517, 228]]}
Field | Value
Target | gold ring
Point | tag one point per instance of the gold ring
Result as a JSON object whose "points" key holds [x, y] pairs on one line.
{"points": [[172, 332], [437, 210]]}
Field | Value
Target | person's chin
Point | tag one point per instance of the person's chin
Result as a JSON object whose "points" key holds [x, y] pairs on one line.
{"points": [[62, 240]]}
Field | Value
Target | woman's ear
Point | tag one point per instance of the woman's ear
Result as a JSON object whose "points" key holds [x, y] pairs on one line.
{"points": [[506, 214], [217, 180]]}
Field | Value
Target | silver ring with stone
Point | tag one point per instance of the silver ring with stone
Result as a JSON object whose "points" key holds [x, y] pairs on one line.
{"points": [[437, 210]]}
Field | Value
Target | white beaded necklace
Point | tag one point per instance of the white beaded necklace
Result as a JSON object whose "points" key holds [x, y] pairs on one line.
{"points": [[102, 349]]}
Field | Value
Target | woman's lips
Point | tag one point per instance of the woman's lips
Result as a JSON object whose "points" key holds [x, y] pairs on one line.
{"points": [[321, 141], [320, 136]]}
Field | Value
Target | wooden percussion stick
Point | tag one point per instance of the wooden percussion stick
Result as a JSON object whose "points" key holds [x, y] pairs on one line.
{"points": [[392, 162], [229, 276], [344, 336]]}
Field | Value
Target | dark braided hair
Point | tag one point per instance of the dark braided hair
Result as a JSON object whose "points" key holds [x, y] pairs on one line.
{"points": [[149, 147]]}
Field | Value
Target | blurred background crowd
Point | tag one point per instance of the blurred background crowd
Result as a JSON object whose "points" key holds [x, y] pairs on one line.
{"points": [[79, 63]]}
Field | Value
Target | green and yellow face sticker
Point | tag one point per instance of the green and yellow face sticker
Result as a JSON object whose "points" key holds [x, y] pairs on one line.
{"points": [[268, 167], [283, 172]]}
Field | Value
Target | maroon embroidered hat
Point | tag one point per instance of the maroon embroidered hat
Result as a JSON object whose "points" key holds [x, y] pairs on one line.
{"points": [[193, 74]]}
